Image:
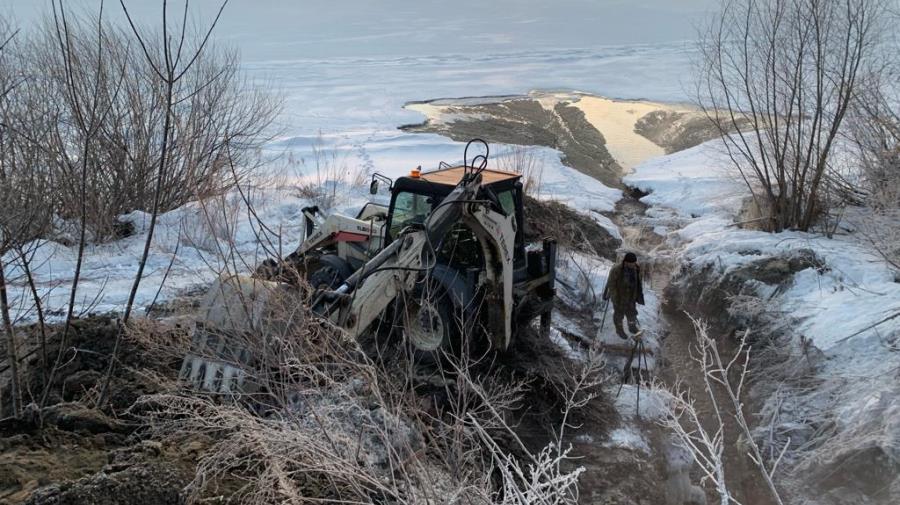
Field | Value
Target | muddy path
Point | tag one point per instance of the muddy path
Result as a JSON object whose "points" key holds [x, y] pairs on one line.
{"points": [[678, 367], [613, 475]]}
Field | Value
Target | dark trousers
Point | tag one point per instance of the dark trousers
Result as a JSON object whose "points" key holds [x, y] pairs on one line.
{"points": [[619, 313]]}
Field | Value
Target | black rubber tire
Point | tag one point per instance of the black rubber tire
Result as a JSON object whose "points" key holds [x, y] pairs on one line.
{"points": [[452, 342], [439, 311], [325, 277]]}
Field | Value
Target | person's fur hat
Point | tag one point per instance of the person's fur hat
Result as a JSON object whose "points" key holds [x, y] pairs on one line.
{"points": [[630, 257]]}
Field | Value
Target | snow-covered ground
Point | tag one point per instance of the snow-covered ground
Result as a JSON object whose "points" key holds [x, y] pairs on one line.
{"points": [[696, 182], [856, 290], [582, 279], [835, 315]]}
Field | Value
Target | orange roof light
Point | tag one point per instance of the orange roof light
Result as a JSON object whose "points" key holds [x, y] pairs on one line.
{"points": [[416, 172]]}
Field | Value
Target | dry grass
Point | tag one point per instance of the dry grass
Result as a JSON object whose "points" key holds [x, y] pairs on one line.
{"points": [[523, 160], [327, 176], [330, 423]]}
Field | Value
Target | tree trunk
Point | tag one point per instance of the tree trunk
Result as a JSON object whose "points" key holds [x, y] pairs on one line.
{"points": [[11, 354]]}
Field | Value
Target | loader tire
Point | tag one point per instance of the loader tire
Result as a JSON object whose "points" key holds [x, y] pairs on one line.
{"points": [[450, 335], [430, 326], [325, 277]]}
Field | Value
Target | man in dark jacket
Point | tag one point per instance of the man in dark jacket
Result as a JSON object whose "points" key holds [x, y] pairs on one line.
{"points": [[624, 289]]}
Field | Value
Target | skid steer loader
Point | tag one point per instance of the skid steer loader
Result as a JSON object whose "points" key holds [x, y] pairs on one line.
{"points": [[447, 257]]}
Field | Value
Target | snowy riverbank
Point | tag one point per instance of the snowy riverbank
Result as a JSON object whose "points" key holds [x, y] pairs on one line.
{"points": [[829, 389]]}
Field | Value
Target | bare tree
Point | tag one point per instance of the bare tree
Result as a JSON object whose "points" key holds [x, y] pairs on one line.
{"points": [[89, 103], [218, 116], [7, 85], [875, 133], [25, 178], [170, 65], [24, 184], [777, 78]]}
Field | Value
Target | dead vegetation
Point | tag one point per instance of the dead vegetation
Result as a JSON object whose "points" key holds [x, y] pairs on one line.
{"points": [[329, 176], [525, 161], [570, 228], [706, 434], [109, 117], [330, 422], [333, 421]]}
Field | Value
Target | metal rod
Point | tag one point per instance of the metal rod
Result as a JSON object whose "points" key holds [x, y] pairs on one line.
{"points": [[637, 410], [603, 317]]}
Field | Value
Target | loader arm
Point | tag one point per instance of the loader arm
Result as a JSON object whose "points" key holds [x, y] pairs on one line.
{"points": [[364, 296]]}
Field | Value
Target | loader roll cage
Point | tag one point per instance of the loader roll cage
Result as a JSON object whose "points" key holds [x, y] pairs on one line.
{"points": [[416, 197]]}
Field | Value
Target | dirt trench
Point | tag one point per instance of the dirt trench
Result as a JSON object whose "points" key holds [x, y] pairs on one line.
{"points": [[678, 367]]}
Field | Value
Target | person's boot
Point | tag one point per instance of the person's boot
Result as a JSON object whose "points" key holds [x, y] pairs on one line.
{"points": [[633, 327], [620, 331]]}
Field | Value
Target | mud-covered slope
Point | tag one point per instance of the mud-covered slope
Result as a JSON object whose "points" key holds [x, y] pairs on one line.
{"points": [[571, 229], [675, 131]]}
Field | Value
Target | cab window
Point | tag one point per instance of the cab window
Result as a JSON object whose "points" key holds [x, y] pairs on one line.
{"points": [[508, 202], [409, 209]]}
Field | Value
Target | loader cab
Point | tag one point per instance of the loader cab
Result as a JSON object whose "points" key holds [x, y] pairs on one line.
{"points": [[414, 197]]}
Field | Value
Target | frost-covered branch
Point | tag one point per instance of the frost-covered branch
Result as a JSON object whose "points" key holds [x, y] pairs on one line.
{"points": [[723, 378]]}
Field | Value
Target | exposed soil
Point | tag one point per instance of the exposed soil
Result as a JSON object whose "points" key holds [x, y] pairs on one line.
{"points": [[29, 460], [743, 477], [73, 453], [571, 229], [612, 475], [676, 131]]}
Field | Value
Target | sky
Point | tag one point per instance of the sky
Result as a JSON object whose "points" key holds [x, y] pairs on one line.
{"points": [[292, 29]]}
